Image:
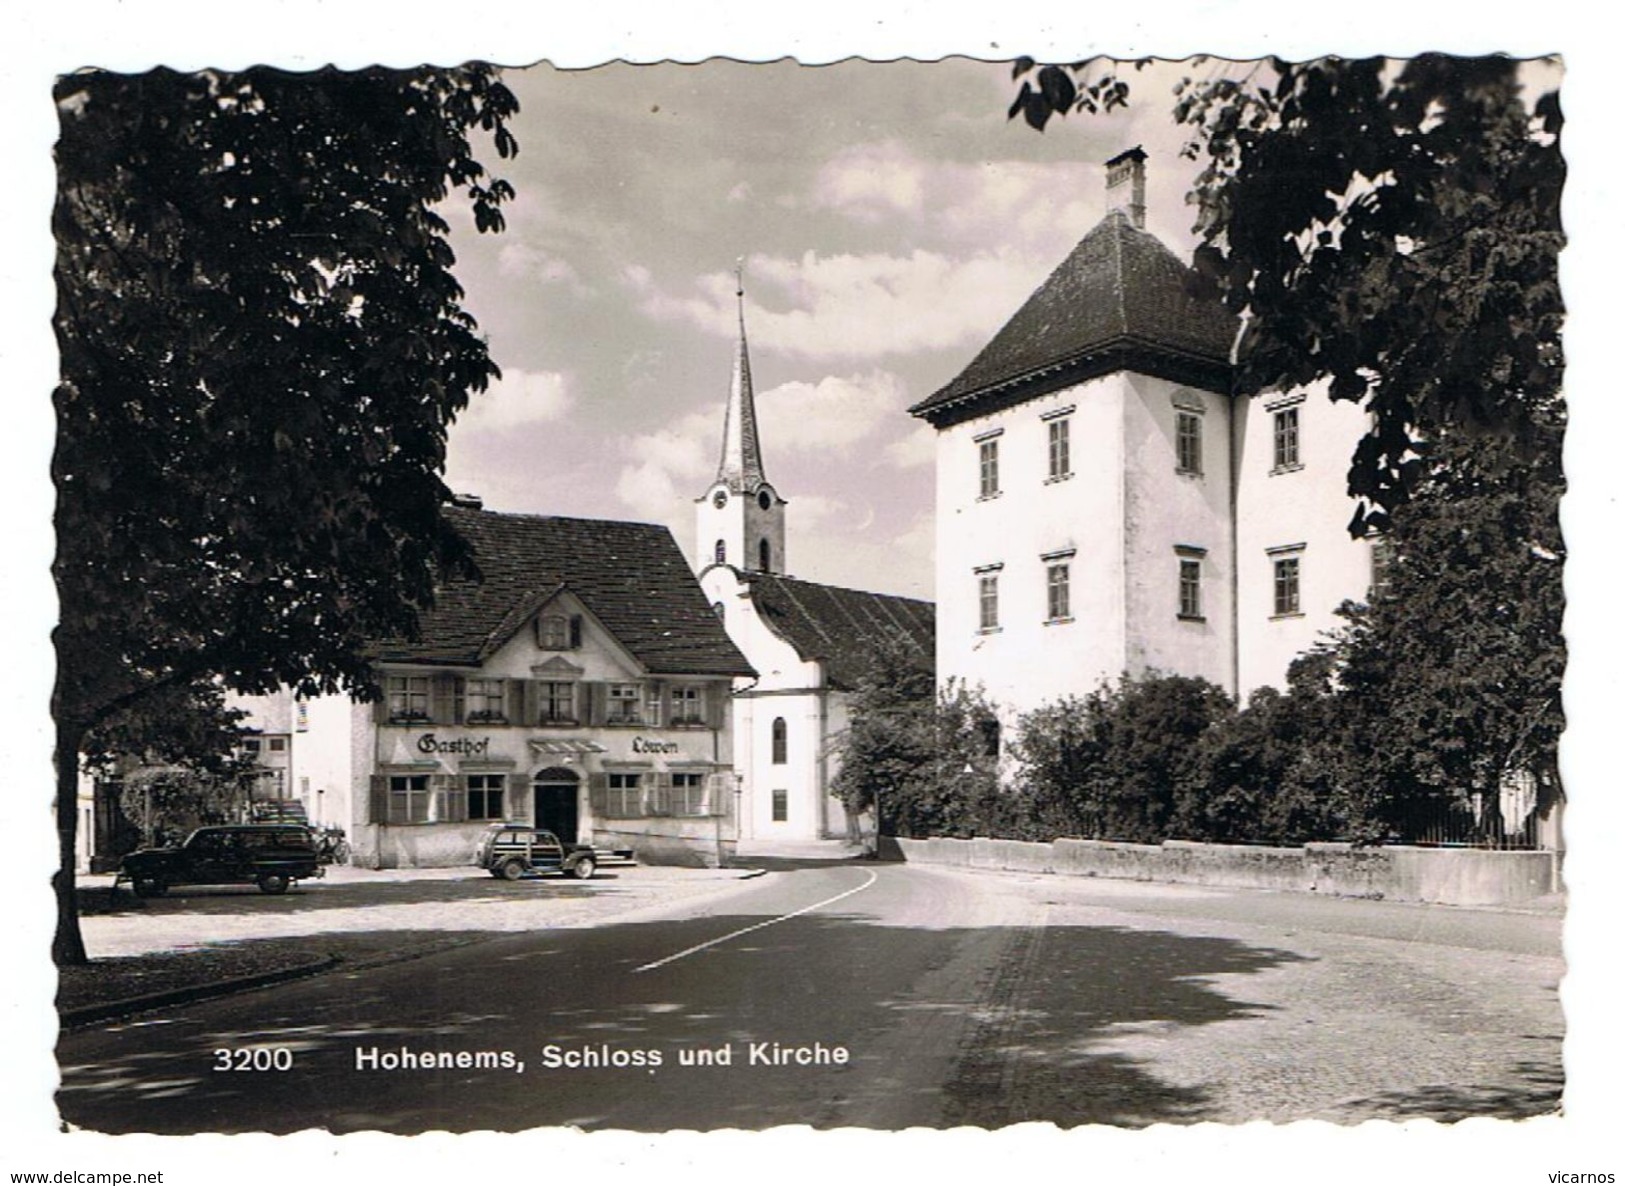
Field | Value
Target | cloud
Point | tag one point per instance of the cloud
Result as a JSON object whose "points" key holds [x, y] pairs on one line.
{"points": [[518, 399], [667, 469], [833, 413], [871, 182], [918, 448], [524, 261], [853, 306]]}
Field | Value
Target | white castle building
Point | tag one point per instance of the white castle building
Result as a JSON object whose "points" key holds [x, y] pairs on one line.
{"points": [[1107, 506]]}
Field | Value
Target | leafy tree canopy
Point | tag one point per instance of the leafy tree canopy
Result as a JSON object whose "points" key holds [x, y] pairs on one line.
{"points": [[262, 345]]}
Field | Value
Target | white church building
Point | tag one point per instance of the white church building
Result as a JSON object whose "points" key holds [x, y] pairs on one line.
{"points": [[1107, 506], [809, 644]]}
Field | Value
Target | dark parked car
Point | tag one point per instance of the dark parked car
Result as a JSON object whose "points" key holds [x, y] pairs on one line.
{"points": [[272, 856]]}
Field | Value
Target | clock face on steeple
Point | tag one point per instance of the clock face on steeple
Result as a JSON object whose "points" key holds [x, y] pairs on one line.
{"points": [[719, 499]]}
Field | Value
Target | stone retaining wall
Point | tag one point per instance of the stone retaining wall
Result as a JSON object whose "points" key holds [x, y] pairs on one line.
{"points": [[1450, 876]]}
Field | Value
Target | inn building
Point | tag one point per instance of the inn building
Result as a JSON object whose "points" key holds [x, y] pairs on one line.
{"points": [[1106, 504], [581, 684]]}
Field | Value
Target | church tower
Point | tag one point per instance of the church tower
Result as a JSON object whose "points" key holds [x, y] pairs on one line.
{"points": [[739, 520]]}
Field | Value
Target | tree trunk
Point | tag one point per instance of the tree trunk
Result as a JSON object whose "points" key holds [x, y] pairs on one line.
{"points": [[68, 947]]}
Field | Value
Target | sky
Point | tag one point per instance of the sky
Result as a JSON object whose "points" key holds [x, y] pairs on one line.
{"points": [[890, 218]]}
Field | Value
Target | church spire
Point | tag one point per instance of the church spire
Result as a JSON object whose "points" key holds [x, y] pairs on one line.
{"points": [[741, 466]]}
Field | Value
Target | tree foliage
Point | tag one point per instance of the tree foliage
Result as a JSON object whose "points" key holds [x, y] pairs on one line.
{"points": [[262, 345]]}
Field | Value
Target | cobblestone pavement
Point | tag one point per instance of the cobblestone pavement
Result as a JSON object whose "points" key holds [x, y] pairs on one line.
{"points": [[1299, 1008]]}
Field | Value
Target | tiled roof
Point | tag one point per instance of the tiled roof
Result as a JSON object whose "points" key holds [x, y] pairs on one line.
{"points": [[841, 627], [1120, 299], [631, 576]]}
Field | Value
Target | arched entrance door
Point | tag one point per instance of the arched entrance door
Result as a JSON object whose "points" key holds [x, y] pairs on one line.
{"points": [[555, 792]]}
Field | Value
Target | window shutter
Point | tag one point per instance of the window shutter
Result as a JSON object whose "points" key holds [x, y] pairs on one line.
{"points": [[658, 794], [598, 794], [450, 798], [442, 699], [380, 710], [518, 710], [597, 700], [378, 799], [575, 632], [659, 704], [716, 705], [719, 793]]}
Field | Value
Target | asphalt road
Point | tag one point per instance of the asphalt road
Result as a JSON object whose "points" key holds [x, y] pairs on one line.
{"points": [[881, 996]]}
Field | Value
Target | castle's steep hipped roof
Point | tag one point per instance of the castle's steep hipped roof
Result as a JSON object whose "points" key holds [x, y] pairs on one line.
{"points": [[631, 576], [842, 628], [1121, 300]]}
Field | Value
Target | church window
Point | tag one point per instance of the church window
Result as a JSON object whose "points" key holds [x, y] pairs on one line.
{"points": [[1188, 442], [720, 610], [781, 806], [721, 551], [781, 742], [765, 501], [1060, 592], [988, 455], [987, 595], [1286, 439], [1060, 449], [764, 556]]}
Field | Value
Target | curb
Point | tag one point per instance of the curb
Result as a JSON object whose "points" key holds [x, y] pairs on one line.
{"points": [[197, 992]]}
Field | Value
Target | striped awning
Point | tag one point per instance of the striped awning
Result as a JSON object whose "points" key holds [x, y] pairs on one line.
{"points": [[566, 746]]}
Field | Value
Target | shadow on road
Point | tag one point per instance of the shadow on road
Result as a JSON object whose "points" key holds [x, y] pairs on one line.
{"points": [[1025, 1041]]}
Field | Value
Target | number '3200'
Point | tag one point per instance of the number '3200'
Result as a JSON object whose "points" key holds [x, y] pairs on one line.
{"points": [[254, 1058]]}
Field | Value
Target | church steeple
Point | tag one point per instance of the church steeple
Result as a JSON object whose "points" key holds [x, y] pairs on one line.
{"points": [[741, 466], [739, 520]]}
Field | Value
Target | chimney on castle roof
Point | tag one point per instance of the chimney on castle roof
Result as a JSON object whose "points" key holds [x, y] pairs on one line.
{"points": [[1125, 185]]}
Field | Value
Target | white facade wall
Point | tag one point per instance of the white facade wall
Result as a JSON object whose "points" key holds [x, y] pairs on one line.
{"points": [[1281, 508], [790, 688], [1027, 660], [1128, 516], [1169, 516]]}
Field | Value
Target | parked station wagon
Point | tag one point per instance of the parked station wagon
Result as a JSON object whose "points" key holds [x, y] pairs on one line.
{"points": [[272, 856], [512, 850]]}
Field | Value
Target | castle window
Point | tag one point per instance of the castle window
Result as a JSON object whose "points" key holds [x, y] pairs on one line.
{"points": [[764, 556], [1287, 569], [988, 461], [1188, 442], [1060, 592], [987, 596], [1060, 449], [1190, 589], [781, 742], [721, 551], [1286, 440]]}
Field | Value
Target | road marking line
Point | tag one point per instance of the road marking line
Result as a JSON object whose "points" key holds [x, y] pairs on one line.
{"points": [[873, 877]]}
